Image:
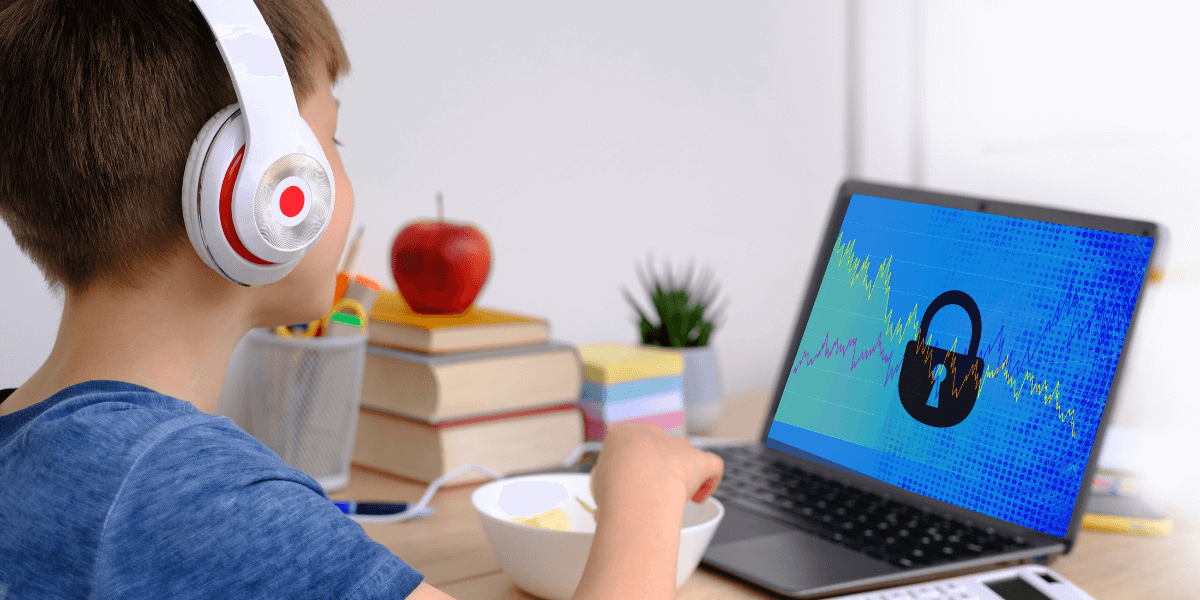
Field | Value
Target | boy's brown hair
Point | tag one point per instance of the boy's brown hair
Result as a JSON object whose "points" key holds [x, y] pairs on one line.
{"points": [[99, 104]]}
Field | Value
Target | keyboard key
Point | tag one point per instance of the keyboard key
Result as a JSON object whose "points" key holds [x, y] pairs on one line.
{"points": [[872, 523], [777, 513]]}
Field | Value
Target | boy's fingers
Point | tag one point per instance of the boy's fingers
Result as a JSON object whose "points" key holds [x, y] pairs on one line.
{"points": [[716, 462]]}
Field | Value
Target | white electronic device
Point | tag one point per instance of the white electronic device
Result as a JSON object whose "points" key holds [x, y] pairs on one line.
{"points": [[1026, 582], [258, 191]]}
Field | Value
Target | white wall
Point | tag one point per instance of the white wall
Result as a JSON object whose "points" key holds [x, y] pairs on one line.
{"points": [[31, 315], [581, 137]]}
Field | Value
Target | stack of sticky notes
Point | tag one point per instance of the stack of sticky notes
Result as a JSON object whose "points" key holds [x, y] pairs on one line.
{"points": [[624, 383]]}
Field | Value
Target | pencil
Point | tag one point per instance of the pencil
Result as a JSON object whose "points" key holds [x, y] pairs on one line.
{"points": [[364, 290], [352, 250]]}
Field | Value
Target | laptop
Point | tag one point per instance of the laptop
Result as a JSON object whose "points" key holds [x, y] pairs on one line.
{"points": [[943, 399]]}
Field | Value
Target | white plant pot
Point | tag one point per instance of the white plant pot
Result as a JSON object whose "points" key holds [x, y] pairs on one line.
{"points": [[702, 395]]}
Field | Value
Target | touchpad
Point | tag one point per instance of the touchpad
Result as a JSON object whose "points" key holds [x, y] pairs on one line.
{"points": [[791, 561], [739, 525]]}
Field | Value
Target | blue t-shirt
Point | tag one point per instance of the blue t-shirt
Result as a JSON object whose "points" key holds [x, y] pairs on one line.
{"points": [[112, 490]]}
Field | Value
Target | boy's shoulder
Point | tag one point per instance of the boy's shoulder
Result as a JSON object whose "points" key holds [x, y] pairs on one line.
{"points": [[133, 493], [110, 425]]}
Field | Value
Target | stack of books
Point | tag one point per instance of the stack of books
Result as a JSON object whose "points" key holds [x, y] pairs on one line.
{"points": [[631, 384], [483, 387]]}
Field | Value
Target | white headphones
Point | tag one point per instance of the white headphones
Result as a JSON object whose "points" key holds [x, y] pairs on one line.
{"points": [[257, 189]]}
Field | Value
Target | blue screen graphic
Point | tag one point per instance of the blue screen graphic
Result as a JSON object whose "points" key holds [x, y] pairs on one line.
{"points": [[1055, 303]]}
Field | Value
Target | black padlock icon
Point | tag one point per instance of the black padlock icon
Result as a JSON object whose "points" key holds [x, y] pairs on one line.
{"points": [[963, 373]]}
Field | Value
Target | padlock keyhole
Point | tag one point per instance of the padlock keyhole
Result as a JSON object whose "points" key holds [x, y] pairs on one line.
{"points": [[939, 373]]}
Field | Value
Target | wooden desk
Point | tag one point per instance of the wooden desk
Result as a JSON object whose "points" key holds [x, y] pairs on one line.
{"points": [[452, 552]]}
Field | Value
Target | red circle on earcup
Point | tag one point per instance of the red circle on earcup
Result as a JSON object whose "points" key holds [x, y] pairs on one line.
{"points": [[291, 201], [226, 207]]}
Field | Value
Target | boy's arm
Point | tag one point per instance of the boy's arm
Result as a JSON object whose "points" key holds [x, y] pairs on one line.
{"points": [[633, 555], [635, 551], [641, 483]]}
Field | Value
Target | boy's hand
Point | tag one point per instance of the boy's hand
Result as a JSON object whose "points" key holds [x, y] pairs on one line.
{"points": [[640, 457], [642, 483]]}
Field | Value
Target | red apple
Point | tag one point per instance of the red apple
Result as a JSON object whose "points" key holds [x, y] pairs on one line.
{"points": [[440, 266]]}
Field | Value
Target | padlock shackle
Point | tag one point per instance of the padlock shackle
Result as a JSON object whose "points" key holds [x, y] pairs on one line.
{"points": [[962, 299]]}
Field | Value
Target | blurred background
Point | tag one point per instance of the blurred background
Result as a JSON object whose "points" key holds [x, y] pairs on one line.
{"points": [[582, 137]]}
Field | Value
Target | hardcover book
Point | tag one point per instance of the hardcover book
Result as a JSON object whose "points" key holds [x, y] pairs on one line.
{"points": [[443, 387], [506, 443], [393, 324]]}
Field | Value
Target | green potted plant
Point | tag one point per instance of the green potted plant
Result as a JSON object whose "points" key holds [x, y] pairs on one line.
{"points": [[685, 322]]}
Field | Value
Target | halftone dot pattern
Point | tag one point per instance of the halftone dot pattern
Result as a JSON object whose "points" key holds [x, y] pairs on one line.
{"points": [[1056, 302]]}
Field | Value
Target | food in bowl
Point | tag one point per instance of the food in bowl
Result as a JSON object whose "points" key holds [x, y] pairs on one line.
{"points": [[549, 562], [554, 518]]}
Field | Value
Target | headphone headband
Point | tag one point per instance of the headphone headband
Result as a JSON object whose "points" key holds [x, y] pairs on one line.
{"points": [[282, 158]]}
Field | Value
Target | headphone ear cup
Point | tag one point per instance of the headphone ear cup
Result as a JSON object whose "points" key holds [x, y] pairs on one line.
{"points": [[210, 163], [199, 152]]}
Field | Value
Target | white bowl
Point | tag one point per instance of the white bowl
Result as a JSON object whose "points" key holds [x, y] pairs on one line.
{"points": [[549, 563]]}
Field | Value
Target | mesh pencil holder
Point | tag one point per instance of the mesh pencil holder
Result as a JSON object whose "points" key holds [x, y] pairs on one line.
{"points": [[300, 397]]}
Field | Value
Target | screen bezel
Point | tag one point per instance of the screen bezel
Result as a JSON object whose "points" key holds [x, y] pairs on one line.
{"points": [[837, 214]]}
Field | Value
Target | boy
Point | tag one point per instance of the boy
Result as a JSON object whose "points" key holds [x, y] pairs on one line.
{"points": [[115, 478]]}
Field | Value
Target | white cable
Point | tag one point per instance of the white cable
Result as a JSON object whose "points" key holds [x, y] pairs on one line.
{"points": [[415, 510]]}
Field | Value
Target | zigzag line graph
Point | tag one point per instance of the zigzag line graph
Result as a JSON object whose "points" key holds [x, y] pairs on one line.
{"points": [[828, 349], [1020, 380], [858, 270], [897, 331]]}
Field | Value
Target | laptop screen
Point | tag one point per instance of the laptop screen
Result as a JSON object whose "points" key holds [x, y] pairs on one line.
{"points": [[994, 404]]}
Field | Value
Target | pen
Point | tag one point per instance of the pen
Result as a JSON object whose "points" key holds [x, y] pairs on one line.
{"points": [[377, 508]]}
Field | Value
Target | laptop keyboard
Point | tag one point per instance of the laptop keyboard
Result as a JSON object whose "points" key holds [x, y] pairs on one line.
{"points": [[903, 535]]}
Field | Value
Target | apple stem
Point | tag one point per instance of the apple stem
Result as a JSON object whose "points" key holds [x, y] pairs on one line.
{"points": [[439, 203]]}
